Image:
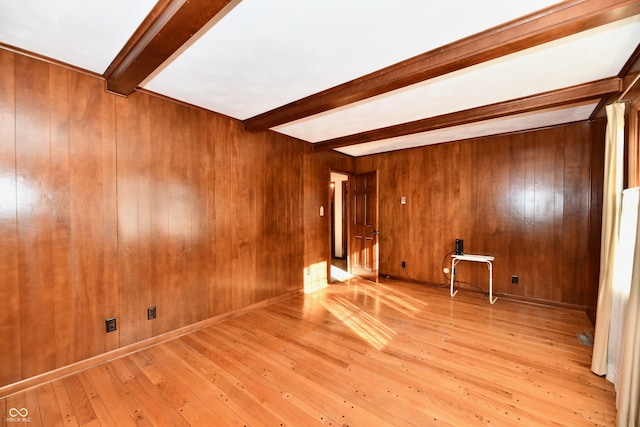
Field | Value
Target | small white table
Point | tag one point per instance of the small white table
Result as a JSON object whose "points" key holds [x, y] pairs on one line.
{"points": [[455, 259]]}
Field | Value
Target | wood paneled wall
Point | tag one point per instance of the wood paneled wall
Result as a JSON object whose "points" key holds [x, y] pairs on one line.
{"points": [[110, 205], [524, 198]]}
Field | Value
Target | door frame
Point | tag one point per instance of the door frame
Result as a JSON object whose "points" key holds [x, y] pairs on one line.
{"points": [[345, 220]]}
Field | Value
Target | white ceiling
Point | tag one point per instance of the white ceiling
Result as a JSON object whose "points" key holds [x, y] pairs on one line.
{"points": [[262, 54], [265, 54], [78, 32]]}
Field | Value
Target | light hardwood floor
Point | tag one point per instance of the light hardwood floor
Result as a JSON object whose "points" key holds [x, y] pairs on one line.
{"points": [[357, 354]]}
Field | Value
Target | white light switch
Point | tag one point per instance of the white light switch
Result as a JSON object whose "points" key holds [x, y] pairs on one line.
{"points": [[403, 200], [321, 210]]}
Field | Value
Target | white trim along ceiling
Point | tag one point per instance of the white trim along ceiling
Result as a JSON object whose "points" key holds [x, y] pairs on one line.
{"points": [[253, 57]]}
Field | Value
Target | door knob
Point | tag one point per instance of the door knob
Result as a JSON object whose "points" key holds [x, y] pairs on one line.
{"points": [[375, 233]]}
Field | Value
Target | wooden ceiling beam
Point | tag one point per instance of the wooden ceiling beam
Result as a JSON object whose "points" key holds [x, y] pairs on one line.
{"points": [[549, 24], [169, 25], [574, 94]]}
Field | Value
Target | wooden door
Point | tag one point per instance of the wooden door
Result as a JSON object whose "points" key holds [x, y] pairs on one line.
{"points": [[363, 230]]}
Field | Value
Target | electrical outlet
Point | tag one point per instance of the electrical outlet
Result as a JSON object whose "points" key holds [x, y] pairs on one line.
{"points": [[514, 280], [111, 324], [403, 264], [151, 313]]}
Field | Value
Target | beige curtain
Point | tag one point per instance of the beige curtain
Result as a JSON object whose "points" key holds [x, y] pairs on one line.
{"points": [[628, 396], [611, 209]]}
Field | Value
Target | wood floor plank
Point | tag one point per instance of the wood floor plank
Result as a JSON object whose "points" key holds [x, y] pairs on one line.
{"points": [[79, 400], [120, 391], [381, 366], [188, 389], [48, 406], [31, 401], [213, 387], [258, 394], [148, 399], [382, 379], [356, 353], [64, 403], [100, 380], [298, 391], [103, 413]]}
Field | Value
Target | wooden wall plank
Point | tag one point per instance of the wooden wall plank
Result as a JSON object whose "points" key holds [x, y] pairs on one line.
{"points": [[247, 180], [419, 198], [575, 240], [134, 276], [386, 207], [141, 143], [173, 290], [528, 239], [200, 236], [226, 232], [263, 268], [289, 192], [500, 192], [265, 188], [61, 238], [34, 222], [87, 215], [297, 189], [289, 186], [518, 255], [559, 214], [281, 205], [211, 245], [110, 216], [542, 251], [10, 356], [470, 173], [596, 156], [160, 122]]}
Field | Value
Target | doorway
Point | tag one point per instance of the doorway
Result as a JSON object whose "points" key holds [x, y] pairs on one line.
{"points": [[339, 219]]}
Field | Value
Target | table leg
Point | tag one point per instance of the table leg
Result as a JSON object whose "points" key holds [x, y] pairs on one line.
{"points": [[491, 299], [453, 275]]}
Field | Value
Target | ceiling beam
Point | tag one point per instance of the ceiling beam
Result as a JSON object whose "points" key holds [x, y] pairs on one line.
{"points": [[546, 25], [583, 92], [169, 25]]}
